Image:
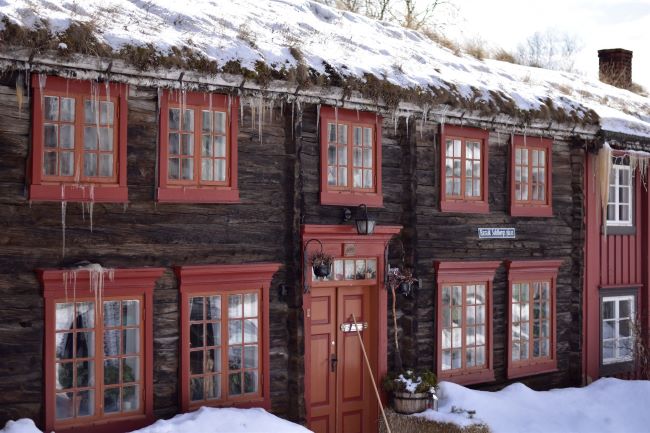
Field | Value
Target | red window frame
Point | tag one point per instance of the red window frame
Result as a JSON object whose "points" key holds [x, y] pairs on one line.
{"points": [[463, 203], [197, 190], [210, 280], [529, 271], [76, 188], [127, 284], [529, 207], [466, 273], [348, 195]]}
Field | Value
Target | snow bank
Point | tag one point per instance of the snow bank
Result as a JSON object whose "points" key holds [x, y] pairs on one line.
{"points": [[230, 420], [607, 405], [264, 30], [23, 425]]}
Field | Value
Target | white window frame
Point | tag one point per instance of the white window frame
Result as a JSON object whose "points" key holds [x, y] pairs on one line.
{"points": [[616, 320], [615, 199]]}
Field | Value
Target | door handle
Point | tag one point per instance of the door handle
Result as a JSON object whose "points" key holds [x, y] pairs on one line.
{"points": [[333, 361]]}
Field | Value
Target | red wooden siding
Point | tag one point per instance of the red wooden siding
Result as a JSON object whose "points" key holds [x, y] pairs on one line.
{"points": [[611, 261]]}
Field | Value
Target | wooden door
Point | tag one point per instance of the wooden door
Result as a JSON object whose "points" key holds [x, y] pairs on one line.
{"points": [[342, 399]]}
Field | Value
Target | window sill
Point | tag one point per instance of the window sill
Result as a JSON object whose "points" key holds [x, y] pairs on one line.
{"points": [[468, 378], [619, 230], [79, 193], [198, 195], [347, 198], [108, 425], [461, 206], [532, 369], [531, 210], [242, 404]]}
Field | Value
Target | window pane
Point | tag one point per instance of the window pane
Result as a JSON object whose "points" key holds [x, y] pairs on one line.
{"points": [[331, 132], [67, 164], [106, 139], [206, 169], [250, 357], [250, 381], [213, 308], [85, 374], [196, 308], [187, 169], [174, 118], [49, 164], [220, 122], [213, 334], [130, 398], [64, 314], [111, 371], [196, 335], [234, 384], [342, 155], [66, 137], [343, 134], [624, 308], [234, 332], [112, 313], [196, 362], [106, 113], [446, 359], [220, 170], [367, 137], [85, 344], [131, 341], [250, 305], [174, 168], [234, 358], [130, 369], [213, 362], [213, 387], [112, 400], [356, 178], [51, 108], [220, 146], [187, 144], [64, 375], [235, 306], [51, 135], [206, 121], [196, 388], [130, 313], [111, 343], [456, 359], [90, 112], [86, 403], [250, 331], [174, 143], [188, 120], [106, 165], [90, 164]]}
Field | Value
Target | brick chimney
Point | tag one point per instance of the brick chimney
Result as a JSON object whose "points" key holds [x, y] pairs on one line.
{"points": [[616, 67]]}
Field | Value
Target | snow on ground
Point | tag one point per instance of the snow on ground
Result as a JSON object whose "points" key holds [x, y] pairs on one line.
{"points": [[252, 30], [230, 420], [204, 420], [607, 405]]}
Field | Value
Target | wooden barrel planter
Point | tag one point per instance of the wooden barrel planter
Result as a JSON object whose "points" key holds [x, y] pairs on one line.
{"points": [[407, 403]]}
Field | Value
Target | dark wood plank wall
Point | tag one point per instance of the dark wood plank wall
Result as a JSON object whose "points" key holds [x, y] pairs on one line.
{"points": [[143, 233], [453, 237], [279, 182]]}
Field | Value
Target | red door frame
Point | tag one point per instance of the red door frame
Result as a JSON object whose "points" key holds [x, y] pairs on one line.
{"points": [[334, 240]]}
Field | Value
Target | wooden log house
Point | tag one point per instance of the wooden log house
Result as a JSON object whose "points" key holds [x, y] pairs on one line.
{"points": [[157, 224]]}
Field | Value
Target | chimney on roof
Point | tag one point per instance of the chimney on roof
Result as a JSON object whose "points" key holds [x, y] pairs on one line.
{"points": [[616, 67]]}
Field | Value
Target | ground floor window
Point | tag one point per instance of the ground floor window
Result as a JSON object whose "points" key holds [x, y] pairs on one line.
{"points": [[617, 317], [98, 347], [465, 321], [225, 335]]}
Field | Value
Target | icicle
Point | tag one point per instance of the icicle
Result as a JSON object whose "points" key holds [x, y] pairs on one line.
{"points": [[42, 79], [83, 211], [261, 115], [293, 106], [91, 206], [604, 167], [358, 118], [65, 285], [19, 94], [395, 120], [408, 117], [29, 84], [241, 111], [317, 116], [64, 205], [124, 207]]}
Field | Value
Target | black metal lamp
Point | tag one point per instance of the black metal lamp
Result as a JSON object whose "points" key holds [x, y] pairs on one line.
{"points": [[365, 225]]}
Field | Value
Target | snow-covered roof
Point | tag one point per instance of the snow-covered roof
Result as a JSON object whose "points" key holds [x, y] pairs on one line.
{"points": [[249, 31]]}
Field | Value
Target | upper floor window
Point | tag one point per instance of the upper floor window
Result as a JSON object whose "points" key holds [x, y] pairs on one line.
{"points": [[98, 349], [350, 157], [463, 164], [465, 321], [79, 140], [198, 148], [619, 205], [531, 176], [532, 317], [225, 335]]}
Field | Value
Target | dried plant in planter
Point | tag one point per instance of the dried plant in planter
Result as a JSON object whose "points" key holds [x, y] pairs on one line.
{"points": [[321, 263]]}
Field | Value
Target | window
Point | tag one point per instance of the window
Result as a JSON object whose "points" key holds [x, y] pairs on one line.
{"points": [[531, 189], [465, 321], [350, 157], [619, 206], [79, 140], [618, 315], [463, 164], [532, 317], [198, 148], [225, 335], [98, 349]]}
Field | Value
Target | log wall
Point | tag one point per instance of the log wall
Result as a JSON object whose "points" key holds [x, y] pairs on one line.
{"points": [[279, 173]]}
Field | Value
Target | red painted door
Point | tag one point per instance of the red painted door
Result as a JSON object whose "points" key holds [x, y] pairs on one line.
{"points": [[342, 398]]}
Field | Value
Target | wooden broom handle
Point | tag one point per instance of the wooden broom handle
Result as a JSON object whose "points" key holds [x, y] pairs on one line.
{"points": [[372, 378]]}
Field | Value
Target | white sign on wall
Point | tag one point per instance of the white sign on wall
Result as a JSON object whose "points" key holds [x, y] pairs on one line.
{"points": [[496, 233]]}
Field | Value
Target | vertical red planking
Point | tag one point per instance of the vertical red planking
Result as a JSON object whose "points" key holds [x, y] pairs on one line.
{"points": [[625, 258]]}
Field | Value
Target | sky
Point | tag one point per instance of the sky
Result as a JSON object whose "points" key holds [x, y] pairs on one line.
{"points": [[597, 24]]}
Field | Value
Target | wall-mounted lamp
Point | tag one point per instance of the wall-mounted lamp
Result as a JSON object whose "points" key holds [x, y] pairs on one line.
{"points": [[365, 225]]}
